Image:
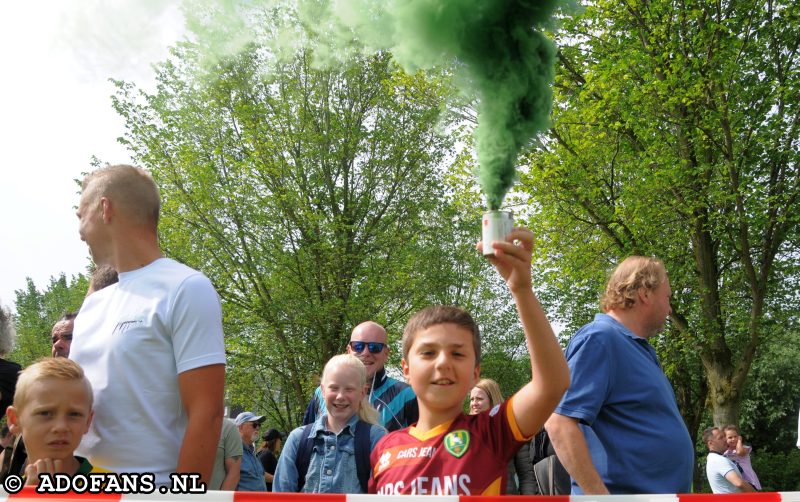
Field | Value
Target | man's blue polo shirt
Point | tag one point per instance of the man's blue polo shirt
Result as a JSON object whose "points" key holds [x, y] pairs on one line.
{"points": [[627, 411]]}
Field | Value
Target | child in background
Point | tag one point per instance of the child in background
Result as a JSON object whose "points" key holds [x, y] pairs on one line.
{"points": [[447, 452], [740, 453], [52, 411], [334, 450]]}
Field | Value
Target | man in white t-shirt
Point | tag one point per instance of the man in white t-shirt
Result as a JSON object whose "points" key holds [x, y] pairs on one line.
{"points": [[723, 474], [151, 345]]}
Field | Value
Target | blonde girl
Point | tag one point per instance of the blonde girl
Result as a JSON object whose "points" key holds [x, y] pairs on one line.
{"points": [[341, 440]]}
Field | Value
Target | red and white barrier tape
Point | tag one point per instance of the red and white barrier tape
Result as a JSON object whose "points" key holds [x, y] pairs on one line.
{"points": [[215, 496]]}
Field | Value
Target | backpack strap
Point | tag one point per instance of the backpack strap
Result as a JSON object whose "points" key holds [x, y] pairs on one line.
{"points": [[8, 451], [19, 457], [363, 447], [303, 458]]}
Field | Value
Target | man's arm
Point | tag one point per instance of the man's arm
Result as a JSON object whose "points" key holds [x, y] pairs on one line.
{"points": [[733, 478], [534, 402], [233, 470], [573, 452], [201, 391]]}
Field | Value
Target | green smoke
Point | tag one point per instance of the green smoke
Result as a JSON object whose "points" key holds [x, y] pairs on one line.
{"points": [[493, 45]]}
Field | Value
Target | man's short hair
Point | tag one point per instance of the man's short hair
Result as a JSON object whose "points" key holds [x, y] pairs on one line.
{"points": [[57, 368], [708, 434], [441, 314], [131, 188], [634, 273], [69, 316]]}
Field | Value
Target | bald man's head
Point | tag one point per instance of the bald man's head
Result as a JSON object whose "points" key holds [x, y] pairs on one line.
{"points": [[370, 337]]}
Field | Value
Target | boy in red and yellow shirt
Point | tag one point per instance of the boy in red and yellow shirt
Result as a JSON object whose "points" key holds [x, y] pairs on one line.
{"points": [[447, 452]]}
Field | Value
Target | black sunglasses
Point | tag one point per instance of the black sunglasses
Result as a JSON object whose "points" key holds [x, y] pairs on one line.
{"points": [[374, 347]]}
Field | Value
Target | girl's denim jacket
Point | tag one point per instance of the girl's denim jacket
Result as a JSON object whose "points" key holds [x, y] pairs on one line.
{"points": [[332, 468]]}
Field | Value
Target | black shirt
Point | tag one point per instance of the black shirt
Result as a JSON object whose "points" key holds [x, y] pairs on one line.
{"points": [[270, 462], [9, 372]]}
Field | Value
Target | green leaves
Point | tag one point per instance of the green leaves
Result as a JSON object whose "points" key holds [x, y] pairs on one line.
{"points": [[38, 311], [312, 198], [672, 137]]}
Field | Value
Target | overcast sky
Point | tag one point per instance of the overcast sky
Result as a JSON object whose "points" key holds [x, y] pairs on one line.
{"points": [[55, 114]]}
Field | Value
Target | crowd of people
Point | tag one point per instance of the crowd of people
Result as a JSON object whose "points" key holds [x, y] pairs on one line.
{"points": [[136, 385]]}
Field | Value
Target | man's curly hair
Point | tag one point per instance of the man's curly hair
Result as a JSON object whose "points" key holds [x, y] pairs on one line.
{"points": [[633, 273]]}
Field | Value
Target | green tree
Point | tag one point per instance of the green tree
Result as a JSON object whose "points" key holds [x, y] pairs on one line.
{"points": [[675, 134], [769, 410], [313, 199], [38, 311]]}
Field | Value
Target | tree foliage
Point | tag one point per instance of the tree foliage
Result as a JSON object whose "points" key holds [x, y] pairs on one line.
{"points": [[313, 199], [675, 134], [38, 311], [769, 411]]}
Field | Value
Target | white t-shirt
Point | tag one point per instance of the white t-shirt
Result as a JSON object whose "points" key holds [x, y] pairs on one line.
{"points": [[133, 339], [717, 467]]}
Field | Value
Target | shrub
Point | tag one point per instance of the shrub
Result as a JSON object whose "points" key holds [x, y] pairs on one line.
{"points": [[777, 471]]}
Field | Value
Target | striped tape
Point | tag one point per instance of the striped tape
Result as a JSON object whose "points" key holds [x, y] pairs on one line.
{"points": [[216, 496]]}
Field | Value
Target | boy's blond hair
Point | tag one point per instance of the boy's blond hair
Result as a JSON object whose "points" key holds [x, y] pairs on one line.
{"points": [[366, 411], [441, 314], [56, 368]]}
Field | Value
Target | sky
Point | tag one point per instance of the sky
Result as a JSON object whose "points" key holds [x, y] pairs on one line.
{"points": [[55, 114]]}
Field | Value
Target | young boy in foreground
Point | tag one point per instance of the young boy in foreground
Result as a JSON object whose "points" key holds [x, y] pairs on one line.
{"points": [[448, 452], [52, 410]]}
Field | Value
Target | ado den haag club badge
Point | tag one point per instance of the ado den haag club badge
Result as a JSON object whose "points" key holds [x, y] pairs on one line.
{"points": [[457, 442]]}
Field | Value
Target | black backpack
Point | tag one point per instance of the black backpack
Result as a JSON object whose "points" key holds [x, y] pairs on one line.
{"points": [[363, 448], [551, 477]]}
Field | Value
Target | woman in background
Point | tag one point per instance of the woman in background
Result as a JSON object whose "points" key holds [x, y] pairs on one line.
{"points": [[485, 396], [268, 454]]}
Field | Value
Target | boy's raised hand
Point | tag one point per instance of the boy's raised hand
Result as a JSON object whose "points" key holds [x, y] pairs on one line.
{"points": [[512, 258]]}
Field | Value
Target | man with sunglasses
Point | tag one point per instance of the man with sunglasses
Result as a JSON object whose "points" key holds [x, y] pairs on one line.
{"points": [[394, 400], [251, 473]]}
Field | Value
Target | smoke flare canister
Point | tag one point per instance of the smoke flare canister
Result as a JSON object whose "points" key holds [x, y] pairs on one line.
{"points": [[496, 226]]}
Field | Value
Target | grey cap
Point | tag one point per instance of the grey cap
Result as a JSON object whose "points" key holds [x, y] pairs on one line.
{"points": [[247, 416]]}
